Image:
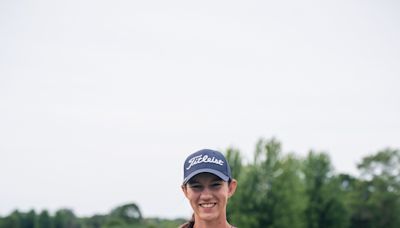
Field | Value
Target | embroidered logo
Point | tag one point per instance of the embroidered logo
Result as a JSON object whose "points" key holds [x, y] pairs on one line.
{"points": [[203, 159]]}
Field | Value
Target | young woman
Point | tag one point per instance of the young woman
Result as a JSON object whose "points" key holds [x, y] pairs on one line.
{"points": [[207, 185]]}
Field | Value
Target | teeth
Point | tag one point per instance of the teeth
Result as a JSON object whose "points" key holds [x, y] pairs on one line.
{"points": [[207, 205]]}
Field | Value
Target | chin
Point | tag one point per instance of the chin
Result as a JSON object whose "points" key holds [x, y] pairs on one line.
{"points": [[208, 216]]}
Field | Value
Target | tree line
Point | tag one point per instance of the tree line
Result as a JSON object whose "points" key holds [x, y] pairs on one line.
{"points": [[275, 189], [284, 190], [124, 216]]}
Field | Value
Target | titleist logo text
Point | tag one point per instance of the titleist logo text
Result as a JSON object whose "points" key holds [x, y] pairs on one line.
{"points": [[203, 159]]}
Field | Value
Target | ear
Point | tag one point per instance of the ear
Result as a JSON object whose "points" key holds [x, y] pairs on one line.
{"points": [[184, 190], [232, 187]]}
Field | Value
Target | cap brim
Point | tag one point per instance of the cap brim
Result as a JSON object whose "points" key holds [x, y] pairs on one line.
{"points": [[212, 171]]}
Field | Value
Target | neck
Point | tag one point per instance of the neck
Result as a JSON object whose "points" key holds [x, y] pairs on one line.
{"points": [[199, 223]]}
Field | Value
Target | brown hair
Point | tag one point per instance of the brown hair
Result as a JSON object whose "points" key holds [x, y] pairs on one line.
{"points": [[189, 224]]}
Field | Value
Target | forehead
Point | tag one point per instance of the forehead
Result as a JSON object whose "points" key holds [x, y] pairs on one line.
{"points": [[204, 177]]}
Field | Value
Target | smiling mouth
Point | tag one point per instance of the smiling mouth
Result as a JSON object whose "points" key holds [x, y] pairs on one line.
{"points": [[207, 205]]}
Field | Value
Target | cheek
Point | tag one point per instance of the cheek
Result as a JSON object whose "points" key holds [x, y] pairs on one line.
{"points": [[192, 196], [224, 195]]}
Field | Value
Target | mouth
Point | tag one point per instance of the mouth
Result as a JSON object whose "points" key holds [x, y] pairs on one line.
{"points": [[207, 205]]}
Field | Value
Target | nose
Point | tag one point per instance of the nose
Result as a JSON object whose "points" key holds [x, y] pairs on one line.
{"points": [[206, 194]]}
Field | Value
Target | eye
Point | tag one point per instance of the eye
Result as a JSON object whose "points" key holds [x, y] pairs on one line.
{"points": [[196, 187], [216, 185]]}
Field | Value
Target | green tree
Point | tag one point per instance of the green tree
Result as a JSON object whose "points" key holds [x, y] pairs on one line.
{"points": [[128, 213], [242, 208], [325, 206], [13, 220], [377, 202], [270, 191], [95, 221], [234, 159], [114, 222], [28, 219], [287, 195], [43, 220], [65, 218]]}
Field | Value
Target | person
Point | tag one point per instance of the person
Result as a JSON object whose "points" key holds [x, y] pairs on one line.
{"points": [[207, 185]]}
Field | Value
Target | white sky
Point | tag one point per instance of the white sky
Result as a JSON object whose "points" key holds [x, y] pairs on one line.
{"points": [[101, 101]]}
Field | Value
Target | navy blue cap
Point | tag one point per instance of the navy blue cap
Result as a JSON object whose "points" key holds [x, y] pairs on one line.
{"points": [[206, 161]]}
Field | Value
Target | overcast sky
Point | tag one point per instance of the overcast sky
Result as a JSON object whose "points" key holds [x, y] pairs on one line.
{"points": [[101, 101]]}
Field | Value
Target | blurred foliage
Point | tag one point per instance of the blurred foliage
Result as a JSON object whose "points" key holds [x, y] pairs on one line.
{"points": [[278, 189], [275, 189], [124, 216]]}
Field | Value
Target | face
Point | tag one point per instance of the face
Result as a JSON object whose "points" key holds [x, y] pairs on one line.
{"points": [[208, 195]]}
